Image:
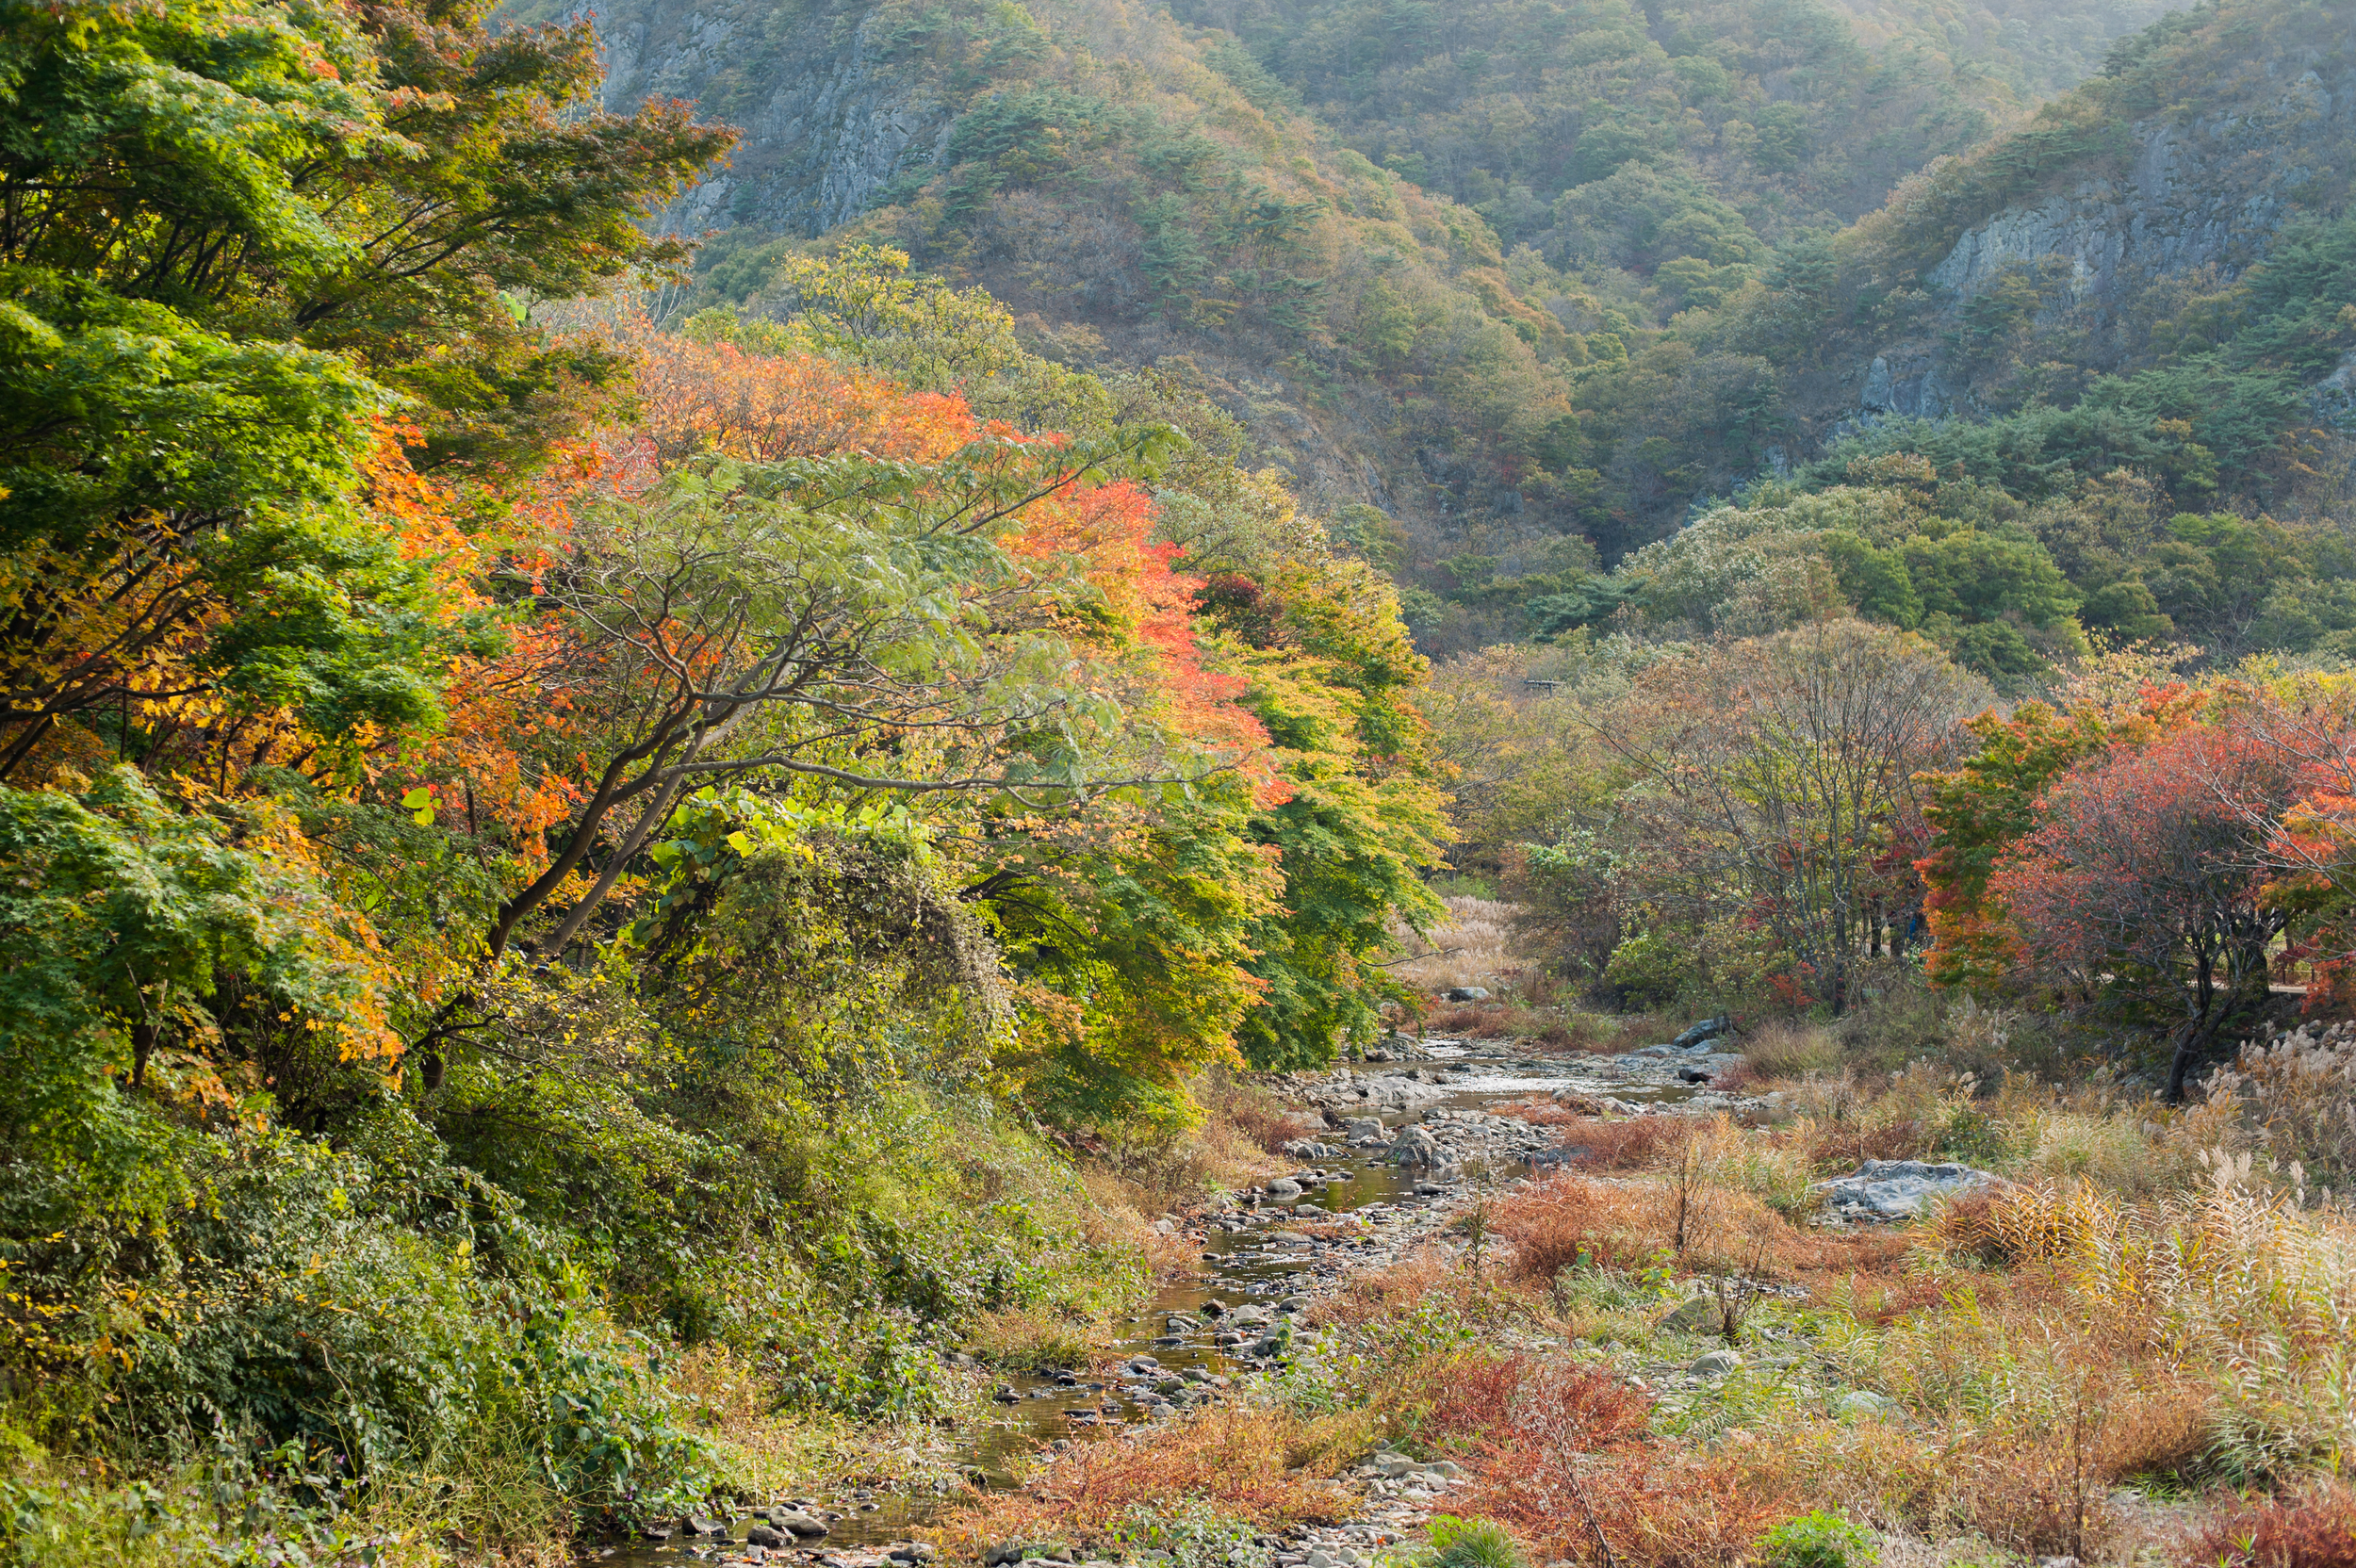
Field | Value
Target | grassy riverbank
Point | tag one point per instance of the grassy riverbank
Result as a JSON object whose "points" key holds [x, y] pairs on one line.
{"points": [[2137, 1349]]}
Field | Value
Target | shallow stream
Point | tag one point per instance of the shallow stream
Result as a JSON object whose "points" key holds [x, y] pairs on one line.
{"points": [[1258, 1260]]}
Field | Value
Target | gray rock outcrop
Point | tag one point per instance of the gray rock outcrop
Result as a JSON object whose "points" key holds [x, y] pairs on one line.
{"points": [[1899, 1189]]}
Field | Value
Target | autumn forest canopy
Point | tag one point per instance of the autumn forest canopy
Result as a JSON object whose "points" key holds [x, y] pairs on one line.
{"points": [[614, 827]]}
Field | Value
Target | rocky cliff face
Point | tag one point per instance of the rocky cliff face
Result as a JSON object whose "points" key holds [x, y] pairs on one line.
{"points": [[2182, 203], [829, 115], [2204, 192]]}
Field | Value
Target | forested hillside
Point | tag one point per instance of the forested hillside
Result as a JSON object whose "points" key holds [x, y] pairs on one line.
{"points": [[1532, 281], [531, 836], [1340, 784]]}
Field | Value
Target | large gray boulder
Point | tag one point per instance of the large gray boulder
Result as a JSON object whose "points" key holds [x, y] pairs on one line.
{"points": [[1900, 1189], [1415, 1147]]}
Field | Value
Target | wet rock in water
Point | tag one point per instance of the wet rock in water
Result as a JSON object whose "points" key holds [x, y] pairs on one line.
{"points": [[1005, 1395], [762, 1535], [1900, 1189], [1283, 1186], [693, 1524], [806, 1526]]}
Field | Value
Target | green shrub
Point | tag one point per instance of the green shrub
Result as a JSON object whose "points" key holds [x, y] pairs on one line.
{"points": [[1818, 1541], [1649, 971], [1471, 1544]]}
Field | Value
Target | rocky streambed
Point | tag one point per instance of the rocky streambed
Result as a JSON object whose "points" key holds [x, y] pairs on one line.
{"points": [[1408, 1140]]}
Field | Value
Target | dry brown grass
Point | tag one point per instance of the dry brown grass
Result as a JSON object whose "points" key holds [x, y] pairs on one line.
{"points": [[1233, 1146], [1562, 1455], [1556, 1223], [1260, 1466], [1250, 1112], [1473, 946], [1122, 1199], [1364, 1297], [1627, 1223], [1031, 1339], [1631, 1143], [1789, 1048], [1485, 1399], [1567, 1462], [1836, 1146]]}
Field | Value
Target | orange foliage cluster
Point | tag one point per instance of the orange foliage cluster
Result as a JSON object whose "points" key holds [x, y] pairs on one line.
{"points": [[714, 397], [1979, 808], [519, 748], [1105, 532]]}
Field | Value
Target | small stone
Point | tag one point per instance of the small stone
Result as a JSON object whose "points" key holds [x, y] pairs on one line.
{"points": [[762, 1535], [1863, 1404], [1717, 1364]]}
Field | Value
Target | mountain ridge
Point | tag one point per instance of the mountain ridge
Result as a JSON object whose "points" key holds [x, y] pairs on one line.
{"points": [[1531, 379]]}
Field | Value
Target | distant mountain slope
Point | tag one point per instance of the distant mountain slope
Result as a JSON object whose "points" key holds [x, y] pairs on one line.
{"points": [[1798, 114], [1145, 189], [2167, 242], [1534, 277]]}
